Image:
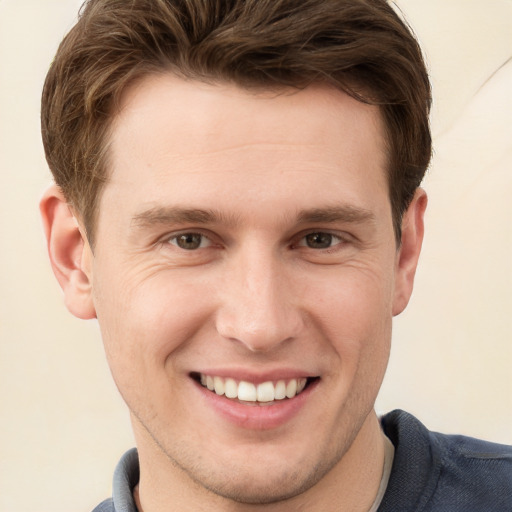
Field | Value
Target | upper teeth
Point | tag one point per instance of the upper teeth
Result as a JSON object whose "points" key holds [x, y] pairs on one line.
{"points": [[249, 392]]}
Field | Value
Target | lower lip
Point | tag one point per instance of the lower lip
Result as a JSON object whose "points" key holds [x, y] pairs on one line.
{"points": [[257, 417]]}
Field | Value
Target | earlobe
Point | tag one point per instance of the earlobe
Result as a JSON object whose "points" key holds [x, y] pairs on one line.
{"points": [[69, 251], [409, 251]]}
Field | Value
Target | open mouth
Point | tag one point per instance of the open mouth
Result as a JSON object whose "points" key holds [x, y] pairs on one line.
{"points": [[264, 393]]}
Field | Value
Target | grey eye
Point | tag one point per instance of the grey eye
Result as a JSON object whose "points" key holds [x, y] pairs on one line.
{"points": [[319, 240]]}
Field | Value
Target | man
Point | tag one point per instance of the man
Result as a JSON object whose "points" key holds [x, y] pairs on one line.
{"points": [[237, 202]]}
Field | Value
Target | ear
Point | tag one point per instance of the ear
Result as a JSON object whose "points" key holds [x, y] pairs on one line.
{"points": [[409, 250], [69, 251]]}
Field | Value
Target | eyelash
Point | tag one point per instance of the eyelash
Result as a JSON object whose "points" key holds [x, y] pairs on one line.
{"points": [[175, 238], [335, 240]]}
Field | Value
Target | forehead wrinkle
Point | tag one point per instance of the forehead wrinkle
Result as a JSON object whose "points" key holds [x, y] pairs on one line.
{"points": [[178, 215]]}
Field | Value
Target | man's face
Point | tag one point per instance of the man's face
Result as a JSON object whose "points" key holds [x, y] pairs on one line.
{"points": [[245, 237]]}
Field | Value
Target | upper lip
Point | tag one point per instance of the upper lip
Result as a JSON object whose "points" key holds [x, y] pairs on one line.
{"points": [[256, 377]]}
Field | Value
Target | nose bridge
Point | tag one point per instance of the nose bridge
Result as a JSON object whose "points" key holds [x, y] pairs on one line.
{"points": [[258, 308]]}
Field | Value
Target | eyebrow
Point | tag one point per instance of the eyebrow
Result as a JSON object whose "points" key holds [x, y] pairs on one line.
{"points": [[344, 213], [178, 215]]}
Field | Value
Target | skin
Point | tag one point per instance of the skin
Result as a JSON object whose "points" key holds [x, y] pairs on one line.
{"points": [[256, 295]]}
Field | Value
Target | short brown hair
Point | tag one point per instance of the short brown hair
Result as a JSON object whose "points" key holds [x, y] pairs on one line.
{"points": [[360, 46]]}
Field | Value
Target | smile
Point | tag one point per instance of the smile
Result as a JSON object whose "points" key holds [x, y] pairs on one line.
{"points": [[244, 391]]}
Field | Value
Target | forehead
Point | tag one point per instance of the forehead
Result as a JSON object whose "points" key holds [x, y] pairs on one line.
{"points": [[199, 110], [175, 138]]}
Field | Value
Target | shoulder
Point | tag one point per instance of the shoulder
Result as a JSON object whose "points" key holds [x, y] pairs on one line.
{"points": [[478, 471], [434, 471]]}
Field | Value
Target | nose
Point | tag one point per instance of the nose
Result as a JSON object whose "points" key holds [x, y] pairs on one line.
{"points": [[258, 307]]}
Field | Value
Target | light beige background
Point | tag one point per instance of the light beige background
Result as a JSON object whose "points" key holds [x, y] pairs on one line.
{"points": [[62, 425]]}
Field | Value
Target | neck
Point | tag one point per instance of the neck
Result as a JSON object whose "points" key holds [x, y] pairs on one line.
{"points": [[351, 485]]}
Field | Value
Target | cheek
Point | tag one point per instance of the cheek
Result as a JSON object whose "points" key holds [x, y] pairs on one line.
{"points": [[145, 321], [353, 312], [355, 297], [145, 326]]}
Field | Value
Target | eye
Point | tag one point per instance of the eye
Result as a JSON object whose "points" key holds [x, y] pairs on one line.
{"points": [[190, 241], [320, 240]]}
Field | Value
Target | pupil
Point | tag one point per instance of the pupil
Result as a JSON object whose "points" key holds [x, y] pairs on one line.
{"points": [[319, 240], [189, 241]]}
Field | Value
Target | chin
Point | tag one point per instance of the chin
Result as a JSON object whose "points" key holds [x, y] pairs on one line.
{"points": [[265, 487], [259, 481]]}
